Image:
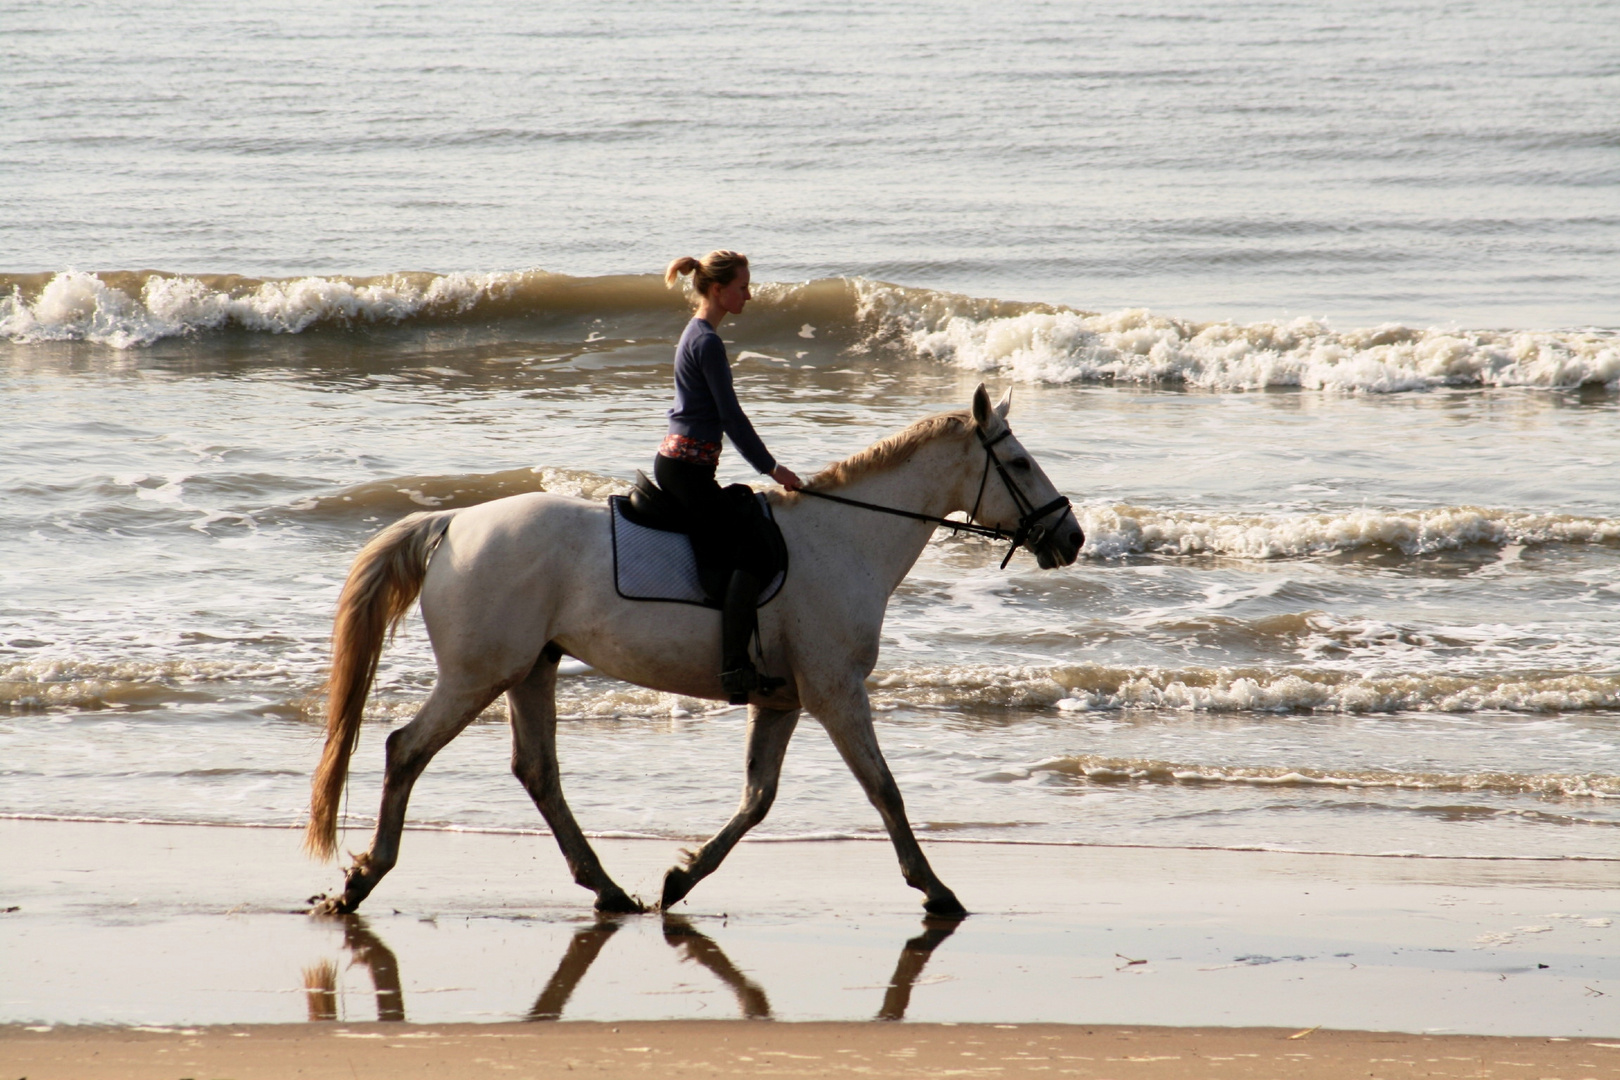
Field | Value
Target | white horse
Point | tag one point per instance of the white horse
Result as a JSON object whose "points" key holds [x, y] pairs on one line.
{"points": [[513, 585]]}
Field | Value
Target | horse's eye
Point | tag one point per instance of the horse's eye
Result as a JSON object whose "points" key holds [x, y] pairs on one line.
{"points": [[1019, 462]]}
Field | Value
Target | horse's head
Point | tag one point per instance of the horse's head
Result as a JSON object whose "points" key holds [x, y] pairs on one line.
{"points": [[1015, 494]]}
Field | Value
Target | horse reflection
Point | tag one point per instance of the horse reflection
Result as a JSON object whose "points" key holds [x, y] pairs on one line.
{"points": [[913, 958], [365, 947], [699, 948], [582, 950]]}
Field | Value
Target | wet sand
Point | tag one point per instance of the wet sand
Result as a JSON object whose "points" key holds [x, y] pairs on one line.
{"points": [[736, 1048], [118, 927]]}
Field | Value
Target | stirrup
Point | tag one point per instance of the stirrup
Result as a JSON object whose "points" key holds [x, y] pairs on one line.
{"points": [[739, 682]]}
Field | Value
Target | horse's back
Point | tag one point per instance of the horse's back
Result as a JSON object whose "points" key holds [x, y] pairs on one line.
{"points": [[520, 525], [501, 563]]}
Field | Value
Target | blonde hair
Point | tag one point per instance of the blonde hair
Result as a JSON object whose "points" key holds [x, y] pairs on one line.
{"points": [[717, 269]]}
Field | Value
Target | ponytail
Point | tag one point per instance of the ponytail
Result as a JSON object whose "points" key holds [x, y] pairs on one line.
{"points": [[683, 265], [717, 269]]}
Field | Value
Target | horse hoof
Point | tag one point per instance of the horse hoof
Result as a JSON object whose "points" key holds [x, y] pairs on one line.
{"points": [[616, 902], [329, 905], [946, 905], [676, 886]]}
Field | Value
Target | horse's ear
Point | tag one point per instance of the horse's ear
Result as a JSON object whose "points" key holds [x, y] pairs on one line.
{"points": [[981, 407], [1005, 404]]}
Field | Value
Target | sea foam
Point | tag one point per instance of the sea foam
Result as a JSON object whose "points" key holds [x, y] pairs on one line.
{"points": [[1113, 531], [1098, 769], [1084, 688], [33, 687], [1029, 342], [79, 306], [1135, 345]]}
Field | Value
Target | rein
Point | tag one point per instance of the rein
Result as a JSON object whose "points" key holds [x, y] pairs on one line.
{"points": [[959, 526], [1027, 533]]}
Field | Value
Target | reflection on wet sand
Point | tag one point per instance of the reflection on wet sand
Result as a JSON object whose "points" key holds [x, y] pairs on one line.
{"points": [[913, 958], [698, 947], [320, 988], [581, 953], [366, 948]]}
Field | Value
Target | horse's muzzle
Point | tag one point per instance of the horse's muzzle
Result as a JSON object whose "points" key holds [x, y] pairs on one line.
{"points": [[1060, 545]]}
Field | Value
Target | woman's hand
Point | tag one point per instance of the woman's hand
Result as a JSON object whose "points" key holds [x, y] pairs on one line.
{"points": [[787, 478]]}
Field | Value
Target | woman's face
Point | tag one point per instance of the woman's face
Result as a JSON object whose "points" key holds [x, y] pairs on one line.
{"points": [[731, 298]]}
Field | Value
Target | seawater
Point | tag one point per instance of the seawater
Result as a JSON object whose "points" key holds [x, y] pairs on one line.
{"points": [[1374, 617], [1426, 163], [1309, 309]]}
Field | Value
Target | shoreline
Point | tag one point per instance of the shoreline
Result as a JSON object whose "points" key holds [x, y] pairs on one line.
{"points": [[363, 830], [744, 1049]]}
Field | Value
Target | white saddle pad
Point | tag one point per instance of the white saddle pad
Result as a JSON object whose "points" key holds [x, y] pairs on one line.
{"points": [[651, 564]]}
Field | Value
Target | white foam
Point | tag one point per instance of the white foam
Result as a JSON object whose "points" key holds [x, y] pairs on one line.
{"points": [[1080, 690], [48, 683], [78, 306], [1113, 531], [1104, 769], [1136, 345], [1222, 690], [1091, 688]]}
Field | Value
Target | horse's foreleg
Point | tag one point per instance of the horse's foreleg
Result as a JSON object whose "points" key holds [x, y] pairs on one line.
{"points": [[534, 762], [850, 728], [409, 749], [768, 733]]}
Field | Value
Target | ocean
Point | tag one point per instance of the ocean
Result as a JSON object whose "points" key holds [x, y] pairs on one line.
{"points": [[1311, 309]]}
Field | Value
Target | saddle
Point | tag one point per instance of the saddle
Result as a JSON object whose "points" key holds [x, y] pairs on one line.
{"points": [[651, 507], [654, 557]]}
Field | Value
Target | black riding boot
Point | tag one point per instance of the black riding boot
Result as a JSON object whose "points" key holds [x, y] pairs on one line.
{"points": [[739, 619]]}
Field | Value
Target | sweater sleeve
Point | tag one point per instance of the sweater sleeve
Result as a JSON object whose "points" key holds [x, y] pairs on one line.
{"points": [[735, 423]]}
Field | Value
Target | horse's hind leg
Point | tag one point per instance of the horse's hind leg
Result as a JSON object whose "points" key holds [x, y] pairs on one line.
{"points": [[848, 720], [447, 711], [768, 733], [534, 762]]}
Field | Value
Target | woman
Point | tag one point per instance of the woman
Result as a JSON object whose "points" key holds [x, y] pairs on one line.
{"points": [[705, 408]]}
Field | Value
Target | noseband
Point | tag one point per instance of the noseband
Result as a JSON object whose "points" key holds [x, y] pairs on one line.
{"points": [[1029, 531]]}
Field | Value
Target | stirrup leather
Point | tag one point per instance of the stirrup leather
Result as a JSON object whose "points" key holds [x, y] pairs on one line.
{"points": [[739, 682]]}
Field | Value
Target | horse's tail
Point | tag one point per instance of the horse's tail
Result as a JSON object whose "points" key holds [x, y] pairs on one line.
{"points": [[383, 583]]}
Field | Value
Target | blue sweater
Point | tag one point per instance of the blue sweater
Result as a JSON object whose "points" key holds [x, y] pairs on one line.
{"points": [[705, 401]]}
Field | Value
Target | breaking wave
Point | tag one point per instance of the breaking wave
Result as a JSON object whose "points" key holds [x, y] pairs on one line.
{"points": [[408, 494], [1111, 531], [126, 310], [51, 685], [1057, 345], [1129, 530], [42, 686], [1104, 770], [131, 309], [1090, 688], [1029, 342]]}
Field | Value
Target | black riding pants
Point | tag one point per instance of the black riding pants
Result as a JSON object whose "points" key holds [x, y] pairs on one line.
{"points": [[723, 521]]}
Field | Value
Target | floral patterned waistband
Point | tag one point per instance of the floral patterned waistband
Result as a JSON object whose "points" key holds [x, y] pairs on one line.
{"points": [[686, 448]]}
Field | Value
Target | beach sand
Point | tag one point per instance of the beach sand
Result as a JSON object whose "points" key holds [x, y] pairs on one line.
{"points": [[741, 1049], [1142, 961]]}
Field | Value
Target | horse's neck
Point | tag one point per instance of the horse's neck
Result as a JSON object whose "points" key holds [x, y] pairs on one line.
{"points": [[931, 482]]}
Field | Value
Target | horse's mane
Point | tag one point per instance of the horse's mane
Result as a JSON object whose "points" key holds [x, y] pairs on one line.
{"points": [[891, 450]]}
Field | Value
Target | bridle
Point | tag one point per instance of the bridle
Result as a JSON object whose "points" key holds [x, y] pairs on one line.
{"points": [[1029, 531]]}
